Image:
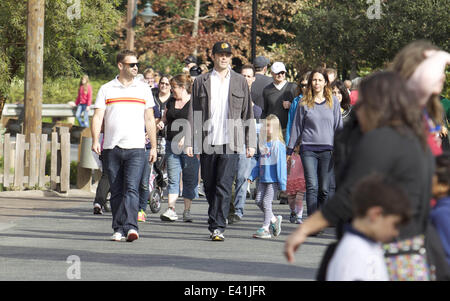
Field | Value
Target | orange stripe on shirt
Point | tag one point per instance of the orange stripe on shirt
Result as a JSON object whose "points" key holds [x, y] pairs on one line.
{"points": [[125, 100]]}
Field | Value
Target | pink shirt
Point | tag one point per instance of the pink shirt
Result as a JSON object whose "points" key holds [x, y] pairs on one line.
{"points": [[84, 98]]}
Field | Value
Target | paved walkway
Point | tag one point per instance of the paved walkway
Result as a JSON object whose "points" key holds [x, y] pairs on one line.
{"points": [[43, 234]]}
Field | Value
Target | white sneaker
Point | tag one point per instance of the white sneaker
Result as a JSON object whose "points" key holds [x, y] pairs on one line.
{"points": [[132, 235], [169, 216], [117, 236]]}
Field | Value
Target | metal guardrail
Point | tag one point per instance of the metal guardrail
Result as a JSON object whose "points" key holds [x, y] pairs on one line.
{"points": [[48, 110]]}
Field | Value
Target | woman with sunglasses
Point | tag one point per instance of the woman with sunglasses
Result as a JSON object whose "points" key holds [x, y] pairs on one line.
{"points": [[317, 118], [178, 163], [293, 108]]}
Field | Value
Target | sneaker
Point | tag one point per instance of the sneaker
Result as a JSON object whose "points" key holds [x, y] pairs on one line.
{"points": [[217, 235], [117, 236], [98, 209], [293, 217], [107, 207], [169, 216], [276, 227], [236, 218], [132, 235], [141, 216], [262, 233], [201, 190], [298, 219], [187, 216]]}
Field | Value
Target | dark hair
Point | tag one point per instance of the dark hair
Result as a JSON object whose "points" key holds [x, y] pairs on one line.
{"points": [[377, 190], [345, 103], [249, 66], [443, 169], [387, 102], [163, 76], [124, 53], [182, 80]]}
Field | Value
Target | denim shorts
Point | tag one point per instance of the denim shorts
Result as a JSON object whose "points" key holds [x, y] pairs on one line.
{"points": [[185, 165]]}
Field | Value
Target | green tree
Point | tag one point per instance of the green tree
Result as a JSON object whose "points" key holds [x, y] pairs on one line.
{"points": [[348, 35], [68, 38]]}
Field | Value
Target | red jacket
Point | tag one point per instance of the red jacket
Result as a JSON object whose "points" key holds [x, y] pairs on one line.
{"points": [[84, 98]]}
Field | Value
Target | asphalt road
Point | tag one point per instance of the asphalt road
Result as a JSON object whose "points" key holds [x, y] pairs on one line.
{"points": [[45, 236]]}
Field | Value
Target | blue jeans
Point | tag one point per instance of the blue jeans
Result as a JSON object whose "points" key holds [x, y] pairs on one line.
{"points": [[124, 169], [186, 165], [241, 184], [144, 192], [81, 108], [316, 166]]}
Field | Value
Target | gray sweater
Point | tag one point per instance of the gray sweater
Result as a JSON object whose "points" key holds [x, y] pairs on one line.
{"points": [[315, 127]]}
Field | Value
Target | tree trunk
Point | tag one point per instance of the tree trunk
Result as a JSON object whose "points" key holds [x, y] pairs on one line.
{"points": [[196, 19]]}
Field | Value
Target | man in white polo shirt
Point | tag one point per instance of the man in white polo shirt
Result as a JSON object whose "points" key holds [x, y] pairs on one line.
{"points": [[125, 108]]}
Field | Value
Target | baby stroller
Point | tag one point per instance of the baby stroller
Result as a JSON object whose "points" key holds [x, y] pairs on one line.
{"points": [[158, 177]]}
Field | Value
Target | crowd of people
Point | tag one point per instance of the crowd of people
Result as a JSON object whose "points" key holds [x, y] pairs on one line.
{"points": [[368, 157]]}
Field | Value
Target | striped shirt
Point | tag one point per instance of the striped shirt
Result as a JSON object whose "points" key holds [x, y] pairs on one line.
{"points": [[124, 113]]}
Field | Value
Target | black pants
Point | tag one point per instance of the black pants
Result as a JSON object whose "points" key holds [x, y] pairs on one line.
{"points": [[102, 190], [218, 171]]}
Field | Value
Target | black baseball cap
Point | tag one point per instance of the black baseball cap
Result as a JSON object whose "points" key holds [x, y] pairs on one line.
{"points": [[221, 47]]}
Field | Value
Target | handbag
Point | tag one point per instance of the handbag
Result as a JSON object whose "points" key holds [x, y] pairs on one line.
{"points": [[406, 260]]}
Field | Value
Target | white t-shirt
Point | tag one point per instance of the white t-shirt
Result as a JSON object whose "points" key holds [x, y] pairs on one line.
{"points": [[357, 258], [218, 127], [124, 122]]}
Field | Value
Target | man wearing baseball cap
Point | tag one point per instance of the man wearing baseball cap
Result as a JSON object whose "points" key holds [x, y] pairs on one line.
{"points": [[278, 96], [222, 99], [261, 80]]}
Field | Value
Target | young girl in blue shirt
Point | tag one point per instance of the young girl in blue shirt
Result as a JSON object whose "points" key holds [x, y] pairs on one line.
{"points": [[272, 173]]}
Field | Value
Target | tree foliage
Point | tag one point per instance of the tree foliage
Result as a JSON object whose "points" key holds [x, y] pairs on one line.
{"points": [[346, 34], [67, 41], [170, 34]]}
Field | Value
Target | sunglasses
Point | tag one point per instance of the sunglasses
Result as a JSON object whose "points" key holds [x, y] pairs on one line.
{"points": [[162, 84], [303, 85], [132, 65], [282, 73]]}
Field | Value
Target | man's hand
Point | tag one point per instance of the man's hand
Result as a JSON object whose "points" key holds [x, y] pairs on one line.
{"points": [[153, 155], [250, 152], [286, 104], [96, 147], [189, 151]]}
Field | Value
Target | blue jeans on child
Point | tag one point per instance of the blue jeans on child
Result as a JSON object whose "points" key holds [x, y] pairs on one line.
{"points": [[241, 184], [124, 169], [188, 166], [316, 166], [81, 108]]}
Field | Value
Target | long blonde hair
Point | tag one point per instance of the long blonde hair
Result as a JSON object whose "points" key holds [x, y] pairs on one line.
{"points": [[85, 85], [308, 98], [276, 133]]}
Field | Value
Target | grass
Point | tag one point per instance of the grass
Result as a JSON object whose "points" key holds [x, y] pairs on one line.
{"points": [[55, 91]]}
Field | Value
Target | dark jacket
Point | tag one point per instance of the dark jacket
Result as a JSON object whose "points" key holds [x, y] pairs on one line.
{"points": [[239, 109], [273, 101], [403, 159], [261, 81]]}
